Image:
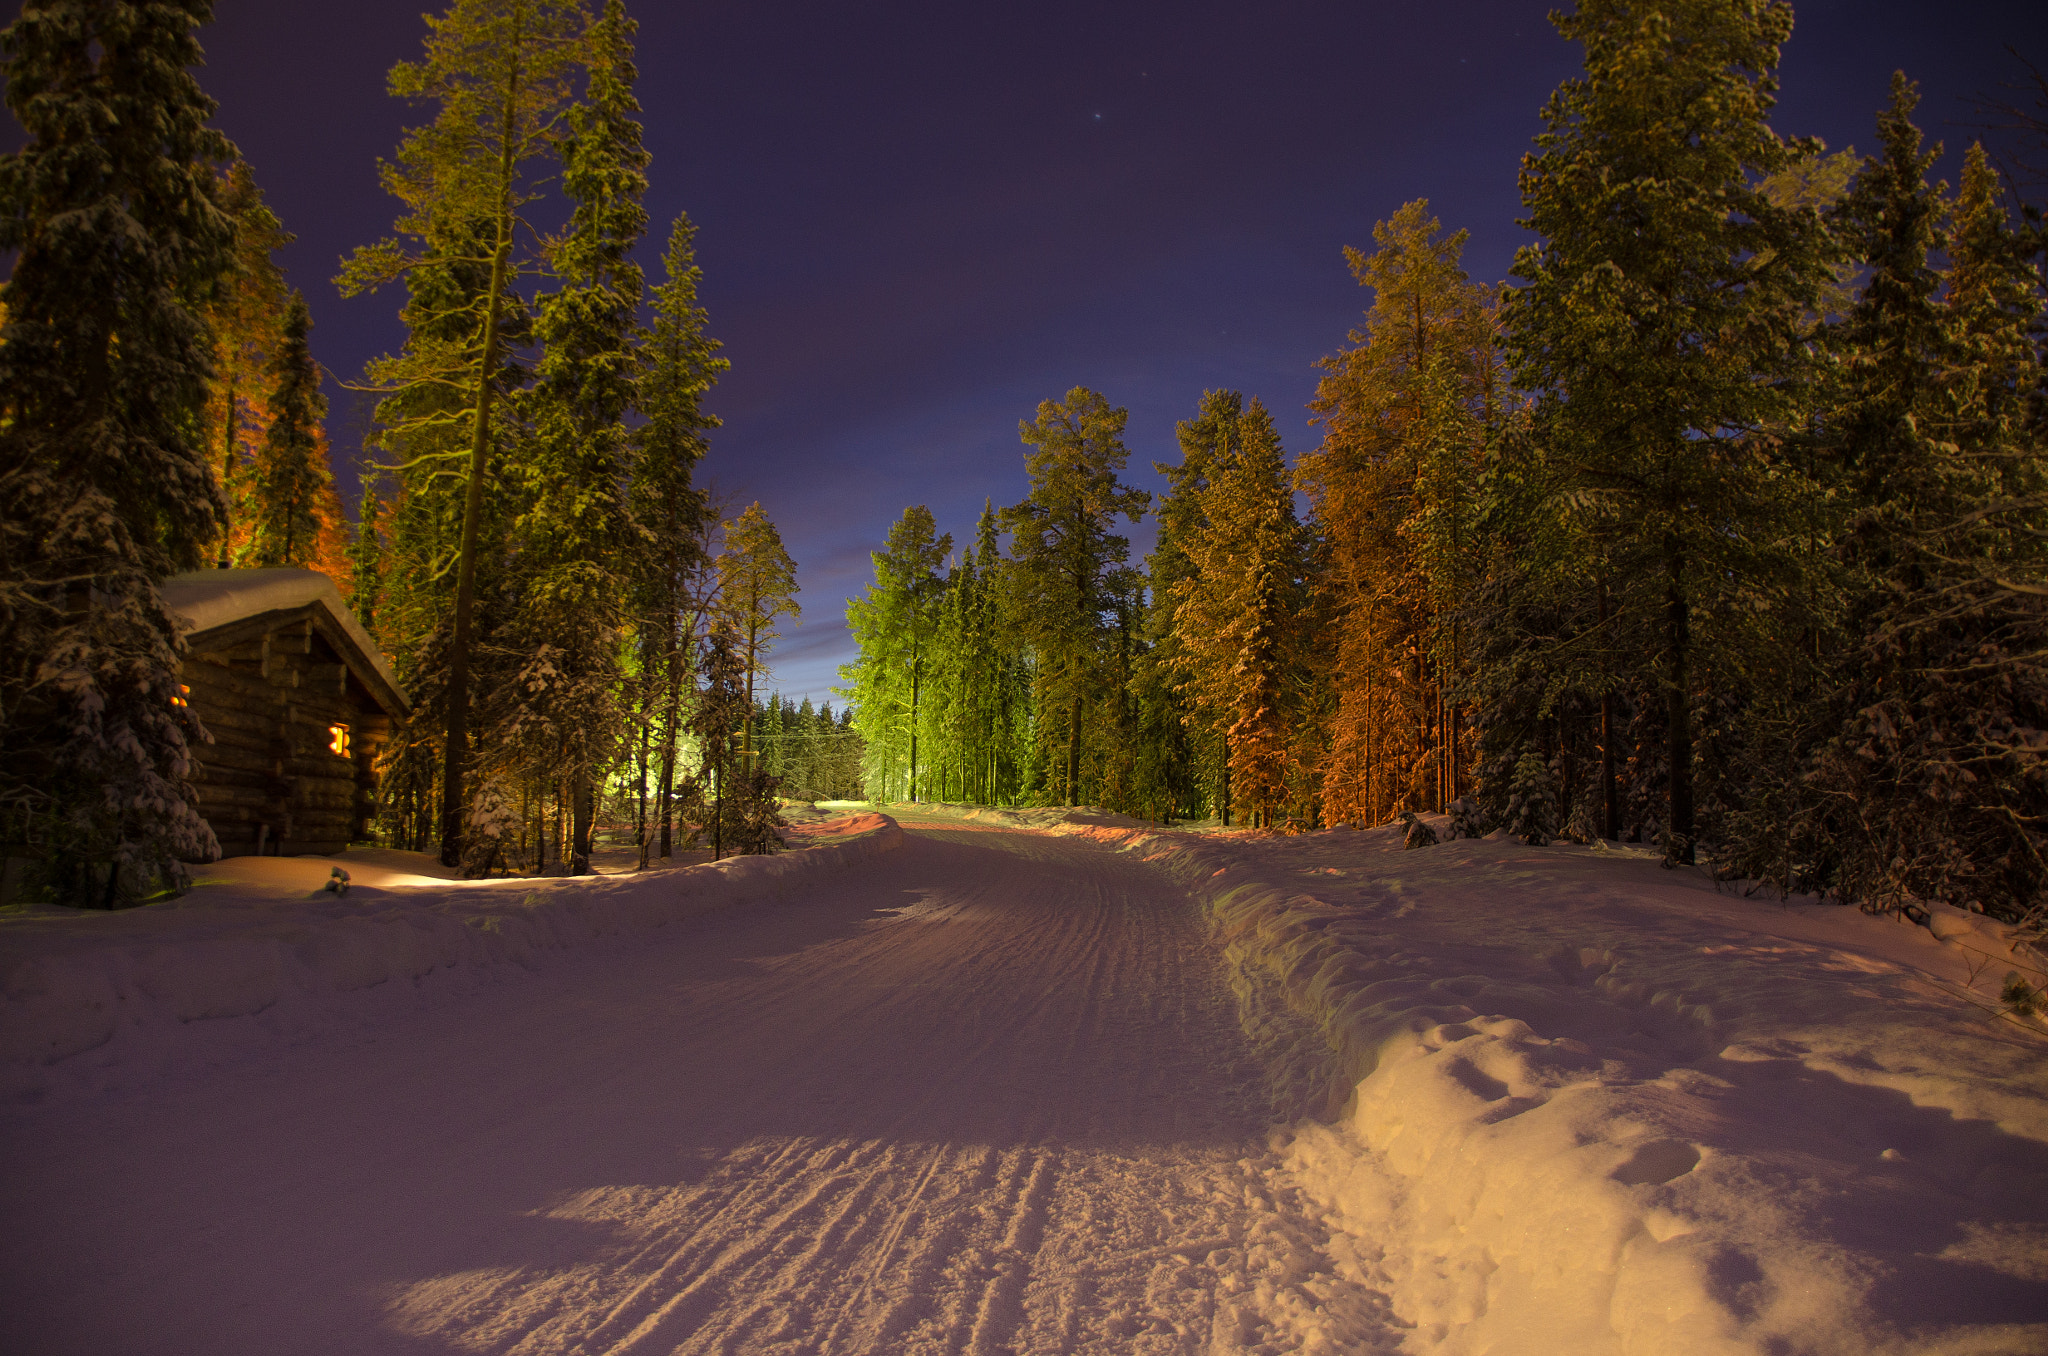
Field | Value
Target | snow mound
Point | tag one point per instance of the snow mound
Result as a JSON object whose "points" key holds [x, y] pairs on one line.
{"points": [[1584, 1104], [258, 931]]}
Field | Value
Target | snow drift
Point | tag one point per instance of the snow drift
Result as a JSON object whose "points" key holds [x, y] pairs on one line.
{"points": [[266, 931], [1585, 1104]]}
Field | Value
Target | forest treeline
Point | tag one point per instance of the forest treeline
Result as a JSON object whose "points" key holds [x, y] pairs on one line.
{"points": [[581, 628], [1722, 525]]}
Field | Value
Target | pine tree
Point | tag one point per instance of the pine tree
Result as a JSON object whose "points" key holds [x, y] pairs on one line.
{"points": [[560, 718], [896, 626], [1237, 609], [247, 314], [501, 73], [366, 561], [108, 486], [671, 515], [757, 587], [721, 709], [1662, 329], [289, 479], [1405, 411], [1068, 569], [977, 689]]}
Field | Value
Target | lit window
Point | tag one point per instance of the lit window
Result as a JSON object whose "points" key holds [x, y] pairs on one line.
{"points": [[181, 699], [340, 743]]}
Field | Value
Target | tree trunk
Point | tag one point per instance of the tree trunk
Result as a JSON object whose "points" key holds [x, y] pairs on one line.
{"points": [[1610, 806], [646, 730], [1074, 750], [456, 751], [586, 821], [910, 791], [227, 471], [672, 709], [1679, 845]]}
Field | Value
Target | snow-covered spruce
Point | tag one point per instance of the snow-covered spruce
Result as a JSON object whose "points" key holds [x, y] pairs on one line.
{"points": [[106, 490]]}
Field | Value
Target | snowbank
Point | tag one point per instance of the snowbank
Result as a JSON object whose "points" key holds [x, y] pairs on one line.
{"points": [[261, 930], [1585, 1104]]}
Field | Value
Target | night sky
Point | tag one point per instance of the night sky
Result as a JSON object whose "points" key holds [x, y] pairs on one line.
{"points": [[918, 221]]}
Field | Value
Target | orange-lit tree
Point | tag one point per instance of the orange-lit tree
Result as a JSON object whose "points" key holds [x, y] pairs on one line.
{"points": [[1404, 412]]}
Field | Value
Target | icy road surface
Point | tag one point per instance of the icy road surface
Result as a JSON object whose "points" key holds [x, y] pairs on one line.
{"points": [[989, 1093]]}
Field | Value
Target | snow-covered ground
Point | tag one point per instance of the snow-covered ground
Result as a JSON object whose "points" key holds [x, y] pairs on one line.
{"points": [[1586, 1104], [1048, 1082]]}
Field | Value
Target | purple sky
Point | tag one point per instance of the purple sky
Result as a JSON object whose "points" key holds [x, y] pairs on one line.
{"points": [[917, 221]]}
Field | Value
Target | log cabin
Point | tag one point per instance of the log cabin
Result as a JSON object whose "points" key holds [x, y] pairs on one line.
{"points": [[299, 701]]}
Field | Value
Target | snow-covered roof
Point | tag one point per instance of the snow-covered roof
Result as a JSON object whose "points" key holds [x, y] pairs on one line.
{"points": [[208, 599]]}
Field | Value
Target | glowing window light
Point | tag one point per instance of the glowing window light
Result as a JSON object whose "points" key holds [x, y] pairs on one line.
{"points": [[182, 699], [340, 742]]}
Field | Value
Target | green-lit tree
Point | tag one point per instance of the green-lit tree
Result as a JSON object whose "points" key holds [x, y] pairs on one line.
{"points": [[558, 720], [501, 75], [1067, 570], [671, 514], [896, 626]]}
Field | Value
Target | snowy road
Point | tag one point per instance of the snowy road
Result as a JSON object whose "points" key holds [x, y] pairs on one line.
{"points": [[990, 1095]]}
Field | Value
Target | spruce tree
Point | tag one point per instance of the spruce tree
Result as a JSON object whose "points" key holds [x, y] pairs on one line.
{"points": [[1661, 328], [719, 712], [1238, 608], [1932, 782], [559, 718], [289, 478], [1177, 717], [366, 561], [119, 244], [1068, 566], [671, 515]]}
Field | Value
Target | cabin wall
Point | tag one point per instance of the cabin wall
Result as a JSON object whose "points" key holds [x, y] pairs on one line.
{"points": [[270, 781]]}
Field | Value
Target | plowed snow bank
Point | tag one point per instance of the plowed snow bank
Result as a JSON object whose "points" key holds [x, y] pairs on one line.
{"points": [[1585, 1104], [264, 931]]}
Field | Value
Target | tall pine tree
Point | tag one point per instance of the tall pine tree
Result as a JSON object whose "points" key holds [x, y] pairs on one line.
{"points": [[757, 588], [502, 76], [671, 515], [896, 626], [1068, 566], [1403, 412]]}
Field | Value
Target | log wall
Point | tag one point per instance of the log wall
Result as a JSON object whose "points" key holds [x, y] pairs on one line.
{"points": [[270, 782]]}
